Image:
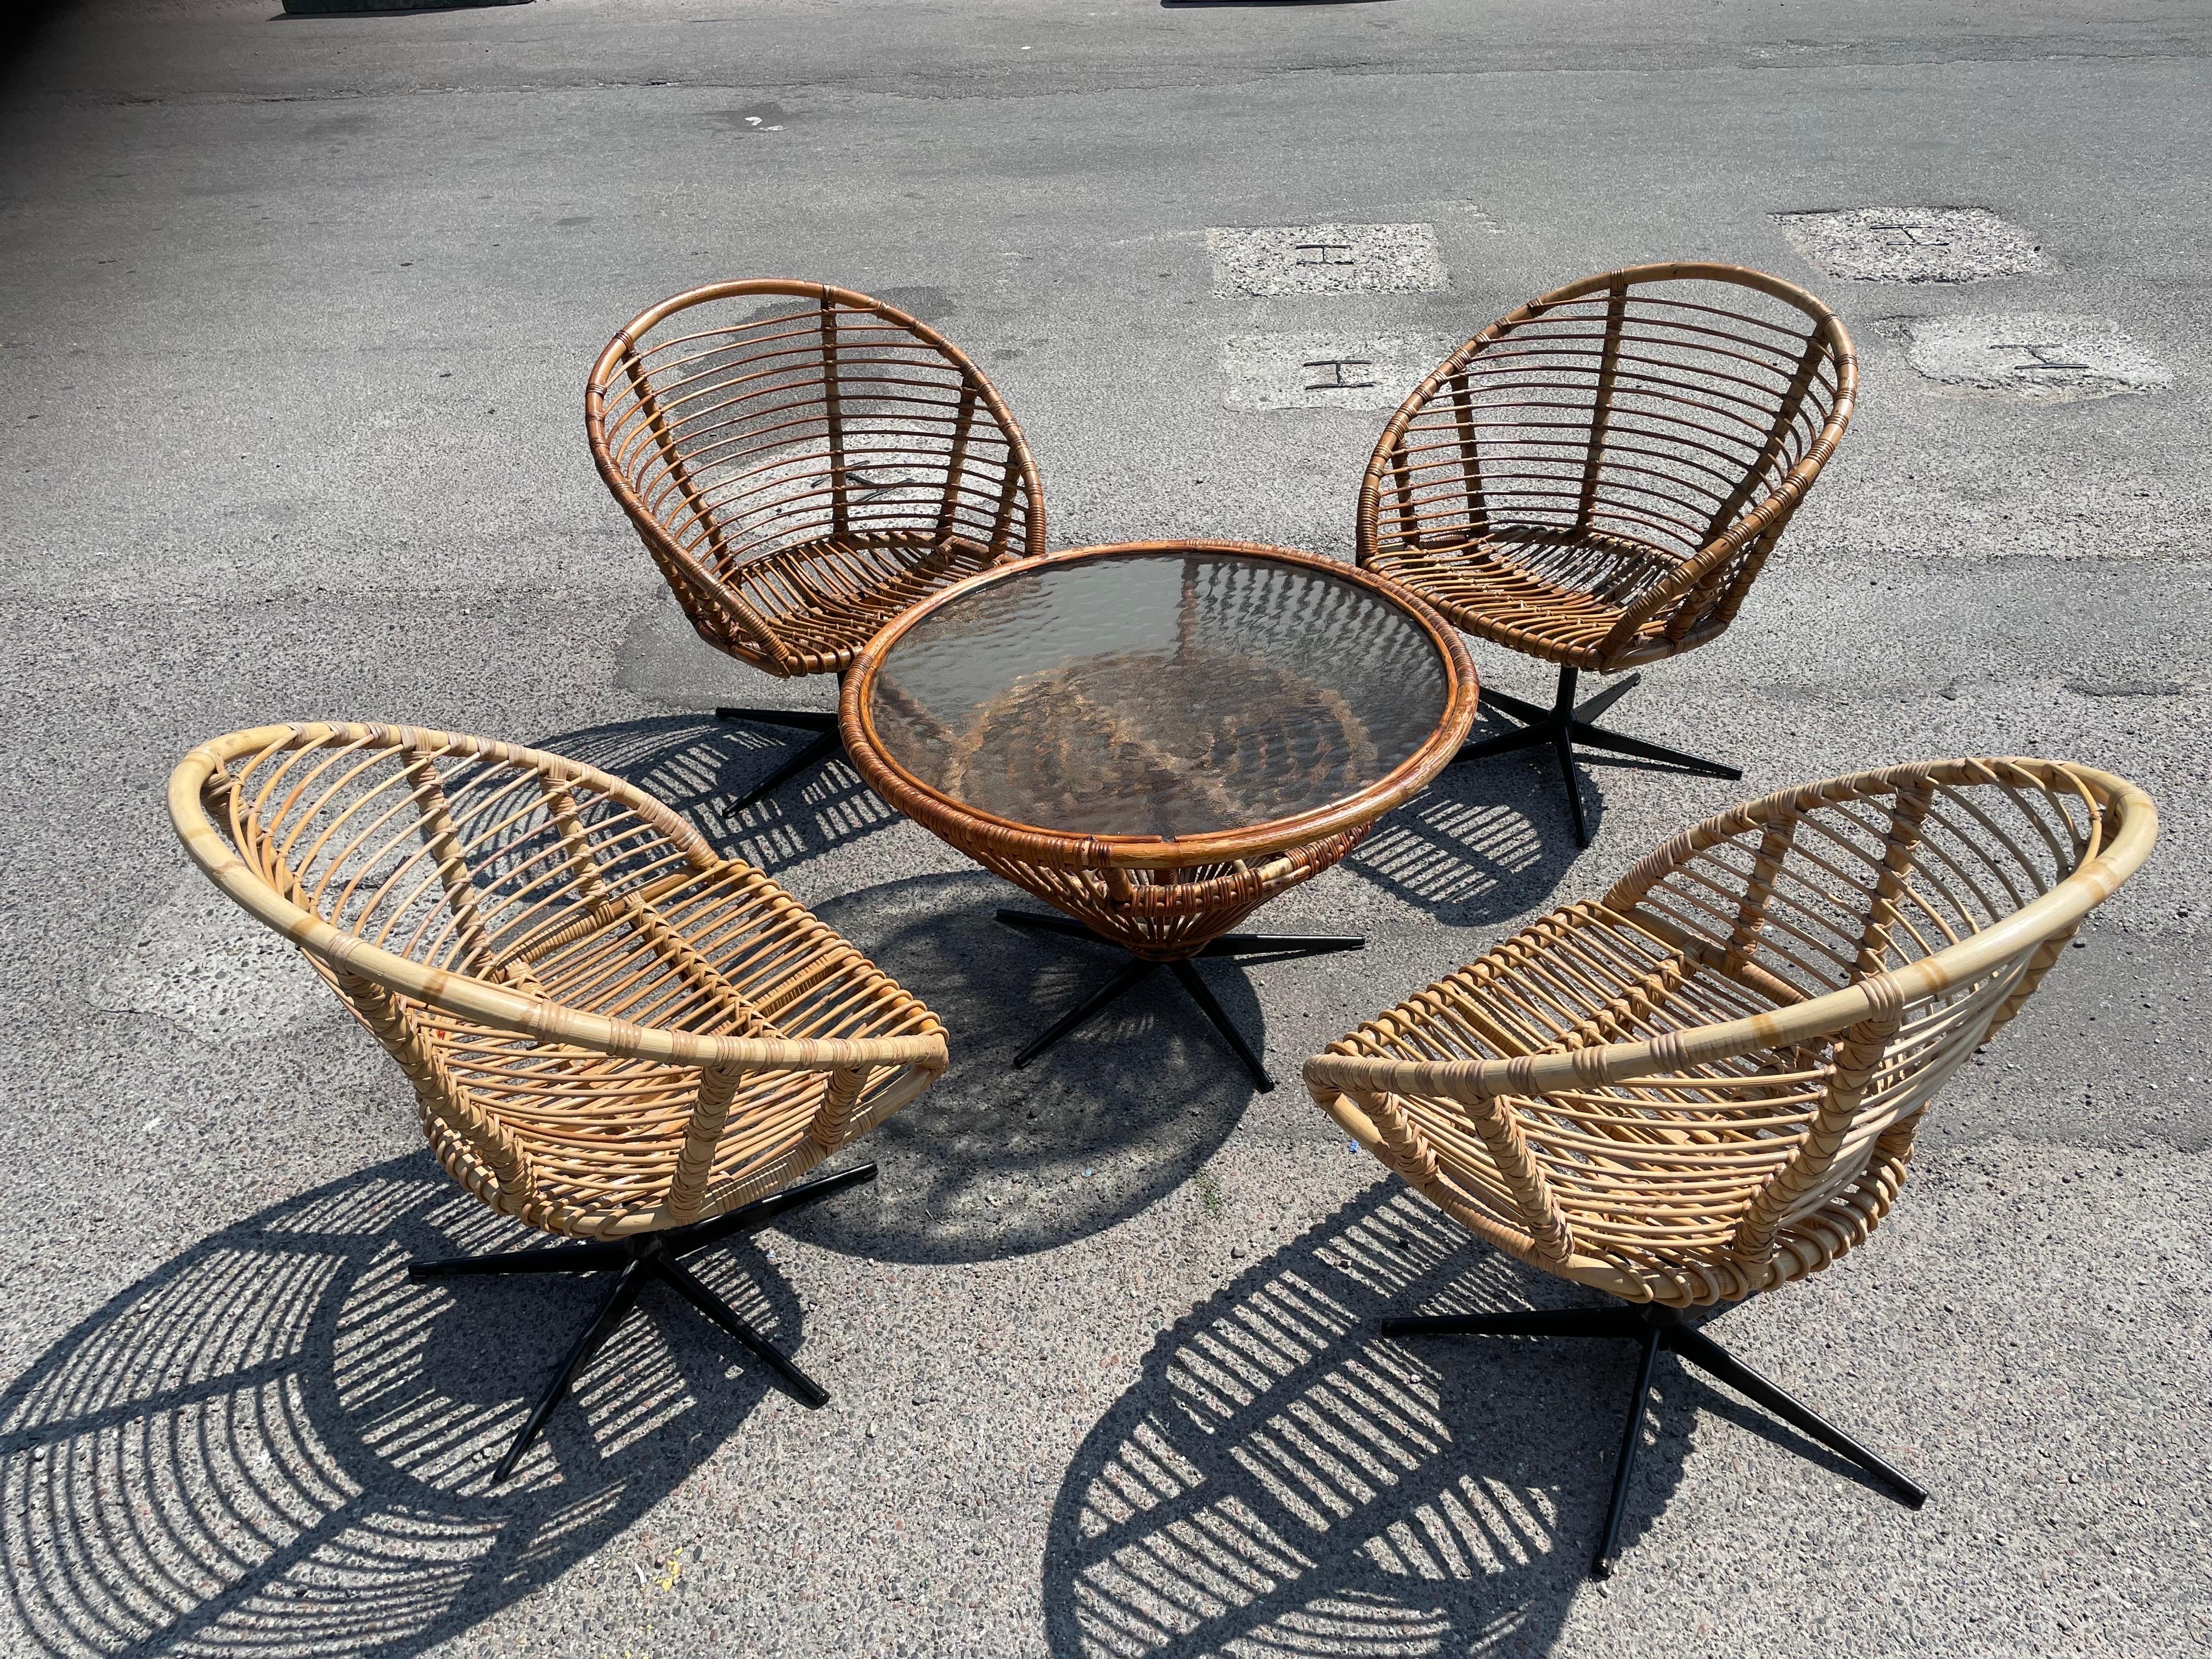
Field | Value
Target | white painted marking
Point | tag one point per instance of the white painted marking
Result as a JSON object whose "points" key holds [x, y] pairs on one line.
{"points": [[2045, 356], [1275, 259], [1327, 371], [199, 961], [1912, 244]]}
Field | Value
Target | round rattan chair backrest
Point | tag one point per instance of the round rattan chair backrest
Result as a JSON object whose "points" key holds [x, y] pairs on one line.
{"points": [[1654, 410], [746, 419]]}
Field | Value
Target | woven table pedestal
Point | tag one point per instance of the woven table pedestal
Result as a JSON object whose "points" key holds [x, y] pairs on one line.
{"points": [[1157, 738]]}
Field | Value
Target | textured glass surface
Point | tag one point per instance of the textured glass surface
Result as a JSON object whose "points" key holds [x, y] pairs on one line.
{"points": [[1161, 693]]}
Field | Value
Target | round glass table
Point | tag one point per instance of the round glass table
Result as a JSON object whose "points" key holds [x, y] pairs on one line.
{"points": [[1157, 738]]}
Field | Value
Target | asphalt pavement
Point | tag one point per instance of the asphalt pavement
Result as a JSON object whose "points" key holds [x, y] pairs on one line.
{"points": [[295, 318]]}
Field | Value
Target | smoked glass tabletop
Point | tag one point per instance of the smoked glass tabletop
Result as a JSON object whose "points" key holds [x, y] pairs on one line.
{"points": [[1158, 693]]}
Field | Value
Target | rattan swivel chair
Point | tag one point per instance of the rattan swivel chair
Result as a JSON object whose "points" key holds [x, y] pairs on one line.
{"points": [[1706, 1084], [805, 463], [615, 1036], [1597, 480]]}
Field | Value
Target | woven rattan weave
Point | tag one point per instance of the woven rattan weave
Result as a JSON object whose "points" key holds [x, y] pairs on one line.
{"points": [[1157, 738], [1707, 1083], [612, 1032], [1597, 479], [803, 463]]}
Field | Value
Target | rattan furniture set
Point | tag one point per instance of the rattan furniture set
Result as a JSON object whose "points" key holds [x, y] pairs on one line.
{"points": [[1692, 1091]]}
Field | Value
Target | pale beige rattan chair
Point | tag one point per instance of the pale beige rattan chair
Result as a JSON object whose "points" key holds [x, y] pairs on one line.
{"points": [[803, 463], [1597, 480], [614, 1035], [1706, 1084]]}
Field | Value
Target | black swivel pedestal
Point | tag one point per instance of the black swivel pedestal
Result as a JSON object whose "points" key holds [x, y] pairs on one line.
{"points": [[1137, 969], [1566, 723], [1652, 1329], [637, 1261], [824, 747]]}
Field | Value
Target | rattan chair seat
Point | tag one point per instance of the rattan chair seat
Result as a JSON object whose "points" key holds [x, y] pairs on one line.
{"points": [[1547, 592], [825, 600], [1708, 1083]]}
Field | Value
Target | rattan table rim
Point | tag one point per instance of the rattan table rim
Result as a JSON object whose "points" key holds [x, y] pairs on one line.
{"points": [[932, 807]]}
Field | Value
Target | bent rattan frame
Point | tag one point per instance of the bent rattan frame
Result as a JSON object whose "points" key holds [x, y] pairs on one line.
{"points": [[1598, 478], [1707, 1083], [1160, 899], [754, 454], [610, 1028]]}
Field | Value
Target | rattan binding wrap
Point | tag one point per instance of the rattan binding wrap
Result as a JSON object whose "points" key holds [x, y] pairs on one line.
{"points": [[1598, 478], [803, 463], [1161, 899], [610, 1030], [1707, 1083]]}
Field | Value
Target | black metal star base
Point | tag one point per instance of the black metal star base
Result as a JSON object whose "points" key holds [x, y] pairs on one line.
{"points": [[638, 1260], [1565, 724], [1652, 1329], [798, 719], [1137, 971]]}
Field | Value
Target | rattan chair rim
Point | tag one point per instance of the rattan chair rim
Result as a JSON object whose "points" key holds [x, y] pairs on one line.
{"points": [[2052, 912], [627, 337], [856, 724], [464, 994]]}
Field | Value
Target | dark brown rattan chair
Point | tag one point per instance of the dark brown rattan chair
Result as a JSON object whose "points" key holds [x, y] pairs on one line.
{"points": [[803, 463], [1597, 479]]}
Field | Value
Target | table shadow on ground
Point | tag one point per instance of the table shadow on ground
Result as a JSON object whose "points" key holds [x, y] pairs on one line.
{"points": [[276, 1443], [993, 1162], [702, 767]]}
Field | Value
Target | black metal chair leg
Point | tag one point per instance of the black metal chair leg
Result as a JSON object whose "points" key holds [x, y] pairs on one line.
{"points": [[1560, 1321], [1059, 926], [1133, 972], [750, 1217], [1187, 977], [813, 755], [1286, 944], [1632, 1442], [1593, 737], [619, 1303], [1505, 743], [798, 719], [559, 1259], [1709, 1357], [1588, 712], [796, 1383], [1527, 713], [1564, 746]]}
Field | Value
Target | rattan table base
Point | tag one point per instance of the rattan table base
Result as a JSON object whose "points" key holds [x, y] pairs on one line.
{"points": [[1136, 970]]}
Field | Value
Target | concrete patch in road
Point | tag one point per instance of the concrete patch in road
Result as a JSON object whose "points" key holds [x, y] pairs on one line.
{"points": [[1278, 259], [2045, 357], [1912, 244], [200, 961], [1327, 371]]}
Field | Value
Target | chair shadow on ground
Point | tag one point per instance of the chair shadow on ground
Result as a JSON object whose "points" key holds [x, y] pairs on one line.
{"points": [[1283, 1479], [702, 767], [277, 1443], [1485, 842], [993, 1162]]}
